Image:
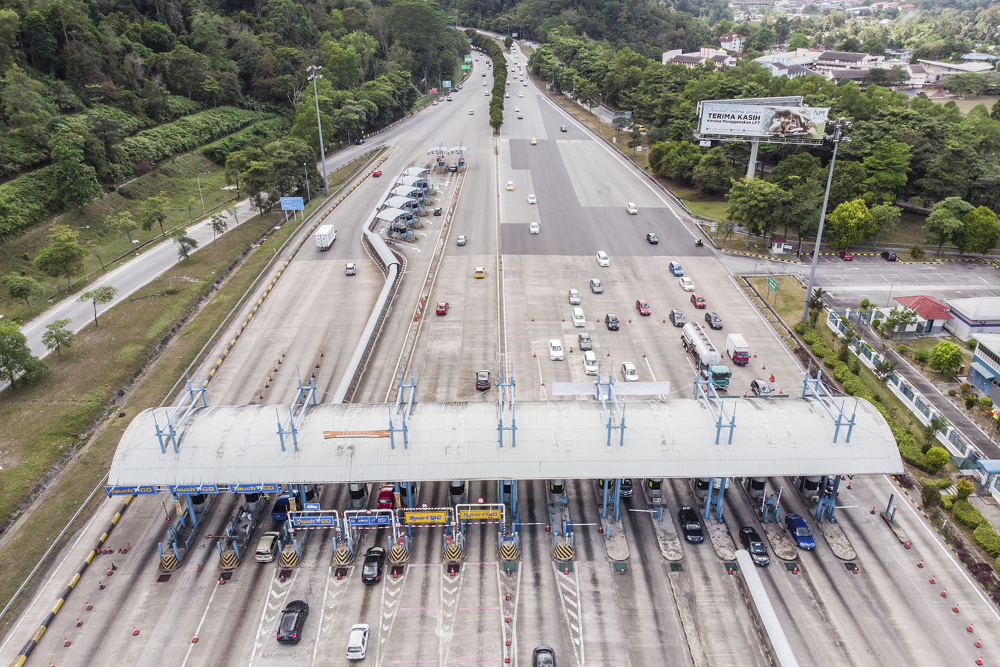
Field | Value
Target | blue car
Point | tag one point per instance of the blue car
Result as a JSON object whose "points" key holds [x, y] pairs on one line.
{"points": [[800, 531]]}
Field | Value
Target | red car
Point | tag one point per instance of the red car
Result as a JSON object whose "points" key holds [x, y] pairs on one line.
{"points": [[442, 308], [386, 497], [698, 300], [642, 307], [377, 173], [846, 255]]}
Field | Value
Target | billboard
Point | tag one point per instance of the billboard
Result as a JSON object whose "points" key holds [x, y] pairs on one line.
{"points": [[762, 121]]}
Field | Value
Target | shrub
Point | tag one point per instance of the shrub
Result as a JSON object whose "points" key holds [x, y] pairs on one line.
{"points": [[998, 570], [970, 401], [905, 481], [854, 387], [922, 356], [917, 252], [831, 361], [877, 324], [947, 502], [841, 372], [952, 393], [964, 488], [903, 349], [965, 387], [986, 402], [966, 514], [810, 337], [856, 367], [936, 457], [987, 538], [930, 492], [800, 328], [843, 354], [972, 342]]}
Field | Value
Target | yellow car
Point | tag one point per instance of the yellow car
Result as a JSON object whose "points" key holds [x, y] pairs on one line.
{"points": [[534, 142], [480, 272], [510, 185]]}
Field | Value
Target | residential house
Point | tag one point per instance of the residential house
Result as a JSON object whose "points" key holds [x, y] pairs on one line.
{"points": [[931, 313], [830, 60], [974, 317], [790, 71]]}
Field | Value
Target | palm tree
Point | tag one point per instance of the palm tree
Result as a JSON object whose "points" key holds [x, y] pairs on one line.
{"points": [[815, 305]]}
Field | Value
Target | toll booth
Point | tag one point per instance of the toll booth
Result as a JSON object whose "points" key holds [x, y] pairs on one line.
{"points": [[418, 182], [409, 192], [440, 164], [404, 204], [418, 171], [397, 223], [459, 152]]}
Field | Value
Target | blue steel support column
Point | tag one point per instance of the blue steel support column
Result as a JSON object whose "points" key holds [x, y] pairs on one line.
{"points": [[618, 491], [604, 500], [828, 501], [708, 499], [718, 500], [513, 497]]}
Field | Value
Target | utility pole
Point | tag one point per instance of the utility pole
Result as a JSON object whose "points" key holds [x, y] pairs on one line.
{"points": [[838, 129], [198, 178], [313, 76], [306, 169]]}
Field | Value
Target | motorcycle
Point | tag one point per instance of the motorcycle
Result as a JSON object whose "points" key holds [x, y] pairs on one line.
{"points": [[698, 243]]}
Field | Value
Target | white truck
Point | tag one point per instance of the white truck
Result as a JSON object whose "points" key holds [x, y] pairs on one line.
{"points": [[737, 349], [325, 236]]}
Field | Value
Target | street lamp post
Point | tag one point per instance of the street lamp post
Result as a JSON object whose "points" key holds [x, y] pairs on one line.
{"points": [[313, 76], [838, 130], [306, 169], [198, 178]]}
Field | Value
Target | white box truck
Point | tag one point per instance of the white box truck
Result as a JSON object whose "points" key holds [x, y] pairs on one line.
{"points": [[737, 349], [325, 236]]}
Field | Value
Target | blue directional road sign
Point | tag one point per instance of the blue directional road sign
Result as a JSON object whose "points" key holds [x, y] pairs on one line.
{"points": [[292, 204], [311, 507]]}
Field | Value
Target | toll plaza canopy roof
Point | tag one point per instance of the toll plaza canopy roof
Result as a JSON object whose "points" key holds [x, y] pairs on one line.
{"points": [[391, 214], [555, 439]]}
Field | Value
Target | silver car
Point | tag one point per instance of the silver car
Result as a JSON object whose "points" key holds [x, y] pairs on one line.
{"points": [[462, 240], [595, 286], [574, 297]]}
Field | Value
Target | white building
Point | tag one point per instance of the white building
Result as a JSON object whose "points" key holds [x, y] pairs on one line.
{"points": [[938, 71], [974, 317], [732, 42]]}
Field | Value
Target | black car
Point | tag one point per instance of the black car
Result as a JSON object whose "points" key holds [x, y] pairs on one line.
{"points": [[625, 490], [371, 571], [691, 525], [888, 256], [760, 387], [751, 542], [714, 321], [677, 317], [437, 211], [543, 656], [611, 321], [562, 128], [651, 237], [482, 379], [585, 342], [360, 141], [292, 620]]}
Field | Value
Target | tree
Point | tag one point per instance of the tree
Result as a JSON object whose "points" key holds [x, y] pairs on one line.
{"points": [[930, 430], [756, 204], [122, 222], [980, 231], [713, 173], [185, 244], [154, 211], [56, 336], [218, 224], [945, 221], [964, 488], [25, 105], [887, 166], [99, 296], [210, 91], [898, 317], [74, 183], [16, 359], [946, 357], [884, 368], [63, 256], [679, 160], [816, 305], [798, 41], [884, 218], [234, 211], [848, 224], [21, 287]]}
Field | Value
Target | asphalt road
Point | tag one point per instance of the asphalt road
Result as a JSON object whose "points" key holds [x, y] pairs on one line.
{"points": [[887, 614]]}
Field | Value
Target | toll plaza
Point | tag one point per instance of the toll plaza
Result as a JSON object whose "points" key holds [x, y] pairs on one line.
{"points": [[620, 434]]}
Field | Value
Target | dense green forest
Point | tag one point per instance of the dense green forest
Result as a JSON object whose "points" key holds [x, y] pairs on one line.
{"points": [[95, 93]]}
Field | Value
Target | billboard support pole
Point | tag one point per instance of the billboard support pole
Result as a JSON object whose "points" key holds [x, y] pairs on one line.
{"points": [[838, 129], [752, 167]]}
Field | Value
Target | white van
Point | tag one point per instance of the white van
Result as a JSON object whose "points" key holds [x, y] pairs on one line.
{"points": [[590, 363], [578, 318]]}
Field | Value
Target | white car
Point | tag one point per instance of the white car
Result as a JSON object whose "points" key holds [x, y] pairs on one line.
{"points": [[472, 112], [602, 259], [632, 209], [510, 185], [525, 84], [520, 94], [555, 349], [534, 228], [517, 109], [574, 298], [532, 199], [590, 363], [506, 95], [350, 269], [486, 93], [686, 284], [357, 642], [629, 374]]}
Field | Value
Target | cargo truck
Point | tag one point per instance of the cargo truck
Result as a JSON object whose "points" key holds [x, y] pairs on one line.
{"points": [[737, 349], [696, 341], [325, 236]]}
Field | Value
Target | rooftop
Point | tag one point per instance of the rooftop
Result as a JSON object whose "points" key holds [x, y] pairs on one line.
{"points": [[926, 307], [555, 439], [976, 309]]}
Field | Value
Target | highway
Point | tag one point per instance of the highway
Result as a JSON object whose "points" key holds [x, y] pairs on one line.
{"points": [[686, 610]]}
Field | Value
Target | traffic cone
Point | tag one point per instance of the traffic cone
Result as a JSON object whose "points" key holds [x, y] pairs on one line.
{"points": [[944, 593], [772, 377], [979, 643], [199, 567], [66, 641], [508, 597], [110, 572], [920, 564], [194, 639], [764, 367], [969, 629], [795, 570], [955, 608], [907, 545], [855, 569], [507, 618], [135, 631], [90, 607], [222, 581], [79, 623], [931, 580], [508, 641], [979, 660]]}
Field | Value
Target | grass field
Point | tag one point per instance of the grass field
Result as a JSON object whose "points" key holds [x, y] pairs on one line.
{"points": [[42, 422], [969, 103]]}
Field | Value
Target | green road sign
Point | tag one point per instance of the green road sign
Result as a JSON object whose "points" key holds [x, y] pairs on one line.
{"points": [[468, 58], [466, 66], [772, 284]]}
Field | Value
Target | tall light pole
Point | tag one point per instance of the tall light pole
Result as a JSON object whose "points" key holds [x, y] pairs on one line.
{"points": [[198, 178], [313, 76], [838, 130], [306, 169]]}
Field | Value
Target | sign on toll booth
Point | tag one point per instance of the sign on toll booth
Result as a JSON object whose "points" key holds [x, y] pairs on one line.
{"points": [[367, 521], [428, 517], [131, 490], [194, 489], [489, 513]]}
